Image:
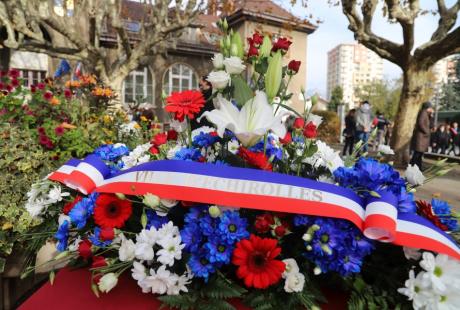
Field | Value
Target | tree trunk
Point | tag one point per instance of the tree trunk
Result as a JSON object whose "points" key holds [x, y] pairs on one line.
{"points": [[5, 55], [415, 81], [116, 84]]}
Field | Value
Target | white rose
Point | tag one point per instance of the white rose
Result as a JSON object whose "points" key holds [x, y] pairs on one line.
{"points": [[385, 149], [414, 176], [291, 267], [219, 79], [126, 252], [294, 283], [234, 65], [218, 61], [107, 282]]}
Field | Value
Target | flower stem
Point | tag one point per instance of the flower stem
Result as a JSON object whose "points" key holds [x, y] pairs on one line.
{"points": [[189, 132], [265, 142]]}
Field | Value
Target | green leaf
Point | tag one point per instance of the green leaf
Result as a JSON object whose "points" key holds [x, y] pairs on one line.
{"points": [[290, 109], [374, 194], [241, 91]]}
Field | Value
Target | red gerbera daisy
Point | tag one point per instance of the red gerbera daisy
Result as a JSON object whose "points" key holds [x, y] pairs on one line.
{"points": [[256, 262], [187, 103], [259, 159], [111, 211]]}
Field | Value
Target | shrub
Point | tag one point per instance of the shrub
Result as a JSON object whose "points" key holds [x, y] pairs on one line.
{"points": [[330, 128]]}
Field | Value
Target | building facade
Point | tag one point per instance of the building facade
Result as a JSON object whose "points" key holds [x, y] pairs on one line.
{"points": [[351, 66], [181, 67]]}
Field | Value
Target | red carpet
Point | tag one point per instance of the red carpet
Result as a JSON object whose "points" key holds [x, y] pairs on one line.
{"points": [[72, 290]]}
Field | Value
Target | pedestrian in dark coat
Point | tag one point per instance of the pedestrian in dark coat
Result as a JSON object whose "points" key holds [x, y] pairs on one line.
{"points": [[349, 132], [421, 136]]}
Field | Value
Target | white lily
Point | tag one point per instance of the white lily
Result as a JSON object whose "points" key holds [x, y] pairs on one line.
{"points": [[250, 123]]}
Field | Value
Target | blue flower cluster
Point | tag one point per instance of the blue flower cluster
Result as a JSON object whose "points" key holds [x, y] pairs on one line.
{"points": [[155, 220], [96, 239], [211, 241], [370, 175], [204, 139], [333, 244], [111, 152], [83, 210], [444, 212], [62, 236], [189, 154], [271, 149]]}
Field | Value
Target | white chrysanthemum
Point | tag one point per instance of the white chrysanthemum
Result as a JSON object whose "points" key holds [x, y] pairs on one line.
{"points": [[414, 176], [233, 146], [137, 156], [294, 283], [144, 251], [56, 194], [291, 267], [385, 149], [159, 281], [442, 272], [171, 250], [168, 230], [149, 236], [127, 249], [139, 273], [416, 290], [325, 157], [180, 284]]}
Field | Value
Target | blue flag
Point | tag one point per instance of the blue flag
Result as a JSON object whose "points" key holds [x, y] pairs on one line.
{"points": [[62, 69]]}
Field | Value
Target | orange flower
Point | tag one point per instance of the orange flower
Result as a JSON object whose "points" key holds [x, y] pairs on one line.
{"points": [[55, 101], [108, 92]]}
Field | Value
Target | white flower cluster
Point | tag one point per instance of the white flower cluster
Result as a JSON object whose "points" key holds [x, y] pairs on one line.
{"points": [[294, 279], [41, 195], [436, 286], [137, 156], [220, 78], [130, 128], [153, 246], [385, 149], [414, 176], [325, 157]]}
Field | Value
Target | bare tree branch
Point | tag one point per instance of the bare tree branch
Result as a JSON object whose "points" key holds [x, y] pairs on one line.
{"points": [[447, 19]]}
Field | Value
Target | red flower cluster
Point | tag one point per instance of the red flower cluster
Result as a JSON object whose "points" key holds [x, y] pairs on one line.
{"points": [[259, 159], [44, 139], [160, 139], [254, 44], [294, 66], [263, 223], [110, 211], [425, 209], [185, 104], [309, 131], [281, 44], [257, 266]]}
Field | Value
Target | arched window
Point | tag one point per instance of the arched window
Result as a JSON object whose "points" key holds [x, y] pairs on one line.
{"points": [[138, 87], [179, 77]]}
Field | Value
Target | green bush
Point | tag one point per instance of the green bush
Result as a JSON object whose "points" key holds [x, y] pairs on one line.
{"points": [[329, 130]]}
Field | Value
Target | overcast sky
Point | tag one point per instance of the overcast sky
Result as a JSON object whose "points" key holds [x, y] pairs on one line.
{"points": [[334, 30]]}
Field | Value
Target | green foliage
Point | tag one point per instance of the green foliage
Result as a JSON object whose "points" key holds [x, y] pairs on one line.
{"points": [[383, 96], [213, 296], [241, 91], [336, 98], [450, 97], [329, 130]]}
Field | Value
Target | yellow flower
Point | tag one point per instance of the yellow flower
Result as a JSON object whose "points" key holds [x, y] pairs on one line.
{"points": [[137, 126], [7, 226], [143, 118], [107, 119]]}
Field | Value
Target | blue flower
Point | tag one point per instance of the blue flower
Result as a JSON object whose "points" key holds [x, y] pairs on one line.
{"points": [[83, 210], [192, 237], [96, 239], [444, 212], [218, 251], [271, 149], [111, 152], [195, 214], [205, 139], [207, 225], [188, 154], [155, 220], [300, 220], [232, 227], [201, 266], [62, 236]]}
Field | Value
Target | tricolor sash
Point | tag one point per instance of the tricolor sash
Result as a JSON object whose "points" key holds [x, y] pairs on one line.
{"points": [[378, 218]]}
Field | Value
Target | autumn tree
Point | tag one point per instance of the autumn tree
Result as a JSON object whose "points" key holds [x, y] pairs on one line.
{"points": [[76, 30]]}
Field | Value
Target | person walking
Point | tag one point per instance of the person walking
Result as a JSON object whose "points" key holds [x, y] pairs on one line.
{"points": [[421, 135], [349, 132], [206, 90], [381, 124], [454, 139], [363, 124]]}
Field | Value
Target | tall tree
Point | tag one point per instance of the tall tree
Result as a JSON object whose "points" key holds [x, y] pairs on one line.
{"points": [[74, 30], [336, 98], [415, 62]]}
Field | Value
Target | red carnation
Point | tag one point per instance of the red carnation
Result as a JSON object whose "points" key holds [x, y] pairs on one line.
{"points": [[14, 82], [48, 95], [185, 104], [256, 39], [299, 123], [110, 211], [281, 44], [294, 66], [259, 159], [84, 249], [9, 88], [41, 86], [67, 93], [425, 209], [107, 233], [310, 131], [154, 150], [256, 262], [69, 206], [98, 262], [287, 138], [33, 88], [253, 51], [263, 223], [172, 134], [280, 231], [13, 73], [59, 130], [160, 139]]}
